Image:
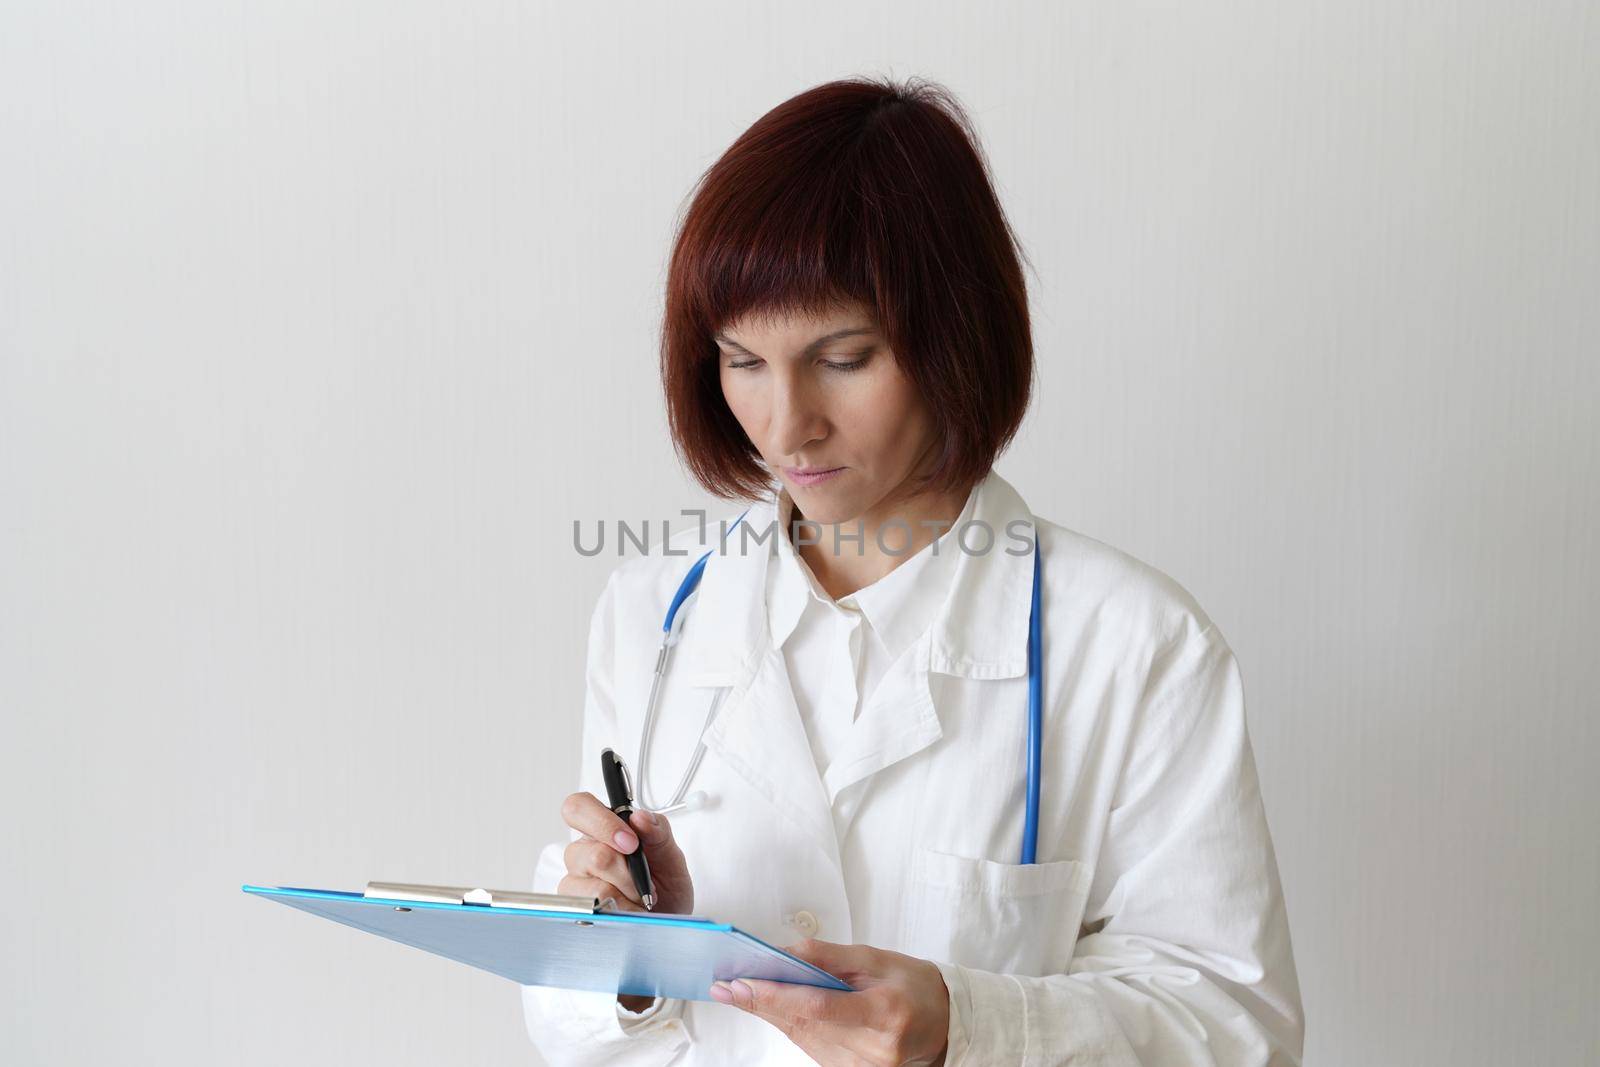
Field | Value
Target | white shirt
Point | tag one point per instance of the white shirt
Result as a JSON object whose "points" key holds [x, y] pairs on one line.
{"points": [[1152, 929], [838, 650]]}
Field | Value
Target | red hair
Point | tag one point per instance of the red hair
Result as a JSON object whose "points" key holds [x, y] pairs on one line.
{"points": [[857, 191]]}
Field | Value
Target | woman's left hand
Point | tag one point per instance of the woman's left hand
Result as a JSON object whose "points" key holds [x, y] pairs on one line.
{"points": [[898, 1016]]}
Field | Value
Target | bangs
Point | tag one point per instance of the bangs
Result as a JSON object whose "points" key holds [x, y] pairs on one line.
{"points": [[786, 229]]}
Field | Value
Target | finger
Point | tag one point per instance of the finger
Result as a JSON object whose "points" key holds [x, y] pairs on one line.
{"points": [[588, 857], [791, 1006], [852, 1027], [824, 1042], [583, 885], [585, 814]]}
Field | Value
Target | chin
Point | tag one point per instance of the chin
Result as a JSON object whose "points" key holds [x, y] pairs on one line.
{"points": [[821, 506]]}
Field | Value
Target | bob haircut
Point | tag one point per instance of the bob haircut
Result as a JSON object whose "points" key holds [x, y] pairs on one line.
{"points": [[861, 191]]}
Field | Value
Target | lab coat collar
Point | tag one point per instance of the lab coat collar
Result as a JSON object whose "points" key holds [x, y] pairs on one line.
{"points": [[980, 631], [789, 582]]}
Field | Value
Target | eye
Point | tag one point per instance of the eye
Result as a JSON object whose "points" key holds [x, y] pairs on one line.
{"points": [[843, 367], [853, 365]]}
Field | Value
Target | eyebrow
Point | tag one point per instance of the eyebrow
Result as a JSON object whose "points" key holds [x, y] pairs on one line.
{"points": [[810, 349]]}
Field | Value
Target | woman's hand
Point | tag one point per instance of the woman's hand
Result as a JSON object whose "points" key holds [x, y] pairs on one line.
{"points": [[596, 866], [899, 1014]]}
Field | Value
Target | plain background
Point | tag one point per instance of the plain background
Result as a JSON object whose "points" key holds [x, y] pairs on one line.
{"points": [[320, 324]]}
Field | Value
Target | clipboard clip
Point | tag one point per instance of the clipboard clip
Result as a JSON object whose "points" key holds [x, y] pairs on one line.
{"points": [[491, 898]]}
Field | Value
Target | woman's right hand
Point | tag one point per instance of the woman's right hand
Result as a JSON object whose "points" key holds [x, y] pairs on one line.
{"points": [[597, 864]]}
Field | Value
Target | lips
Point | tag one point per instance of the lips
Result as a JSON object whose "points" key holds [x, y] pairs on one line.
{"points": [[812, 475]]}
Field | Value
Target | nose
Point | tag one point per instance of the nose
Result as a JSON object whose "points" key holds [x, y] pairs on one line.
{"points": [[797, 420]]}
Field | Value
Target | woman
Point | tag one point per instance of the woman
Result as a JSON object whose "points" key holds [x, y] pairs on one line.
{"points": [[846, 344]]}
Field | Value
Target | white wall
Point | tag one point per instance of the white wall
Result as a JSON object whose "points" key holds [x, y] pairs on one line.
{"points": [[321, 323]]}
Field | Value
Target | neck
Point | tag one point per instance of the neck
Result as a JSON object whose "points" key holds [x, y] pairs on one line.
{"points": [[907, 527]]}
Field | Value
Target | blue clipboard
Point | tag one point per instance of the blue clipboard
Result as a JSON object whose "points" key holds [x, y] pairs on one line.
{"points": [[633, 953]]}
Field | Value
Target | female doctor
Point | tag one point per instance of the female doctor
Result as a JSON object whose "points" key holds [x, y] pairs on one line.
{"points": [[846, 347]]}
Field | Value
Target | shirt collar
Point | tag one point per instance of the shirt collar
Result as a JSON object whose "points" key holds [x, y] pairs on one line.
{"points": [[900, 606]]}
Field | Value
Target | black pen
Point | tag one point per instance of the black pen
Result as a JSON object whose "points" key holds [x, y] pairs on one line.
{"points": [[619, 796]]}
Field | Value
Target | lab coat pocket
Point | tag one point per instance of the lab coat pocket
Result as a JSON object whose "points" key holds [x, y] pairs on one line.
{"points": [[1012, 918]]}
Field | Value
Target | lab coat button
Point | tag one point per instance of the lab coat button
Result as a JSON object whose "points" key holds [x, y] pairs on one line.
{"points": [[805, 922]]}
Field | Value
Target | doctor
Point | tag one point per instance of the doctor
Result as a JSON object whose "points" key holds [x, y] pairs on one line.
{"points": [[847, 346]]}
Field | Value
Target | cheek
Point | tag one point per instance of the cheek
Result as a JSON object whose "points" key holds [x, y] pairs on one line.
{"points": [[887, 416], [745, 403]]}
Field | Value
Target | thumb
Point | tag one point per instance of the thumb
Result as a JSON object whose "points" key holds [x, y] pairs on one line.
{"points": [[654, 830]]}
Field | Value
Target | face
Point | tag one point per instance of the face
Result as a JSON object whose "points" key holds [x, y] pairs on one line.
{"points": [[821, 394]]}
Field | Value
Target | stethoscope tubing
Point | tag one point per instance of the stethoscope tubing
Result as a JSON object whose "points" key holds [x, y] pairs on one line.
{"points": [[1030, 817]]}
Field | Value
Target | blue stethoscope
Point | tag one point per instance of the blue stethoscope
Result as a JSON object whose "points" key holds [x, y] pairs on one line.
{"points": [[682, 800]]}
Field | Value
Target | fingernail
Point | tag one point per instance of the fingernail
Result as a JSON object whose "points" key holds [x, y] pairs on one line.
{"points": [[625, 840], [655, 820], [743, 995], [720, 993]]}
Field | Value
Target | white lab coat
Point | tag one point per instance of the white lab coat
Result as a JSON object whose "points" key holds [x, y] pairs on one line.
{"points": [[1151, 931]]}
